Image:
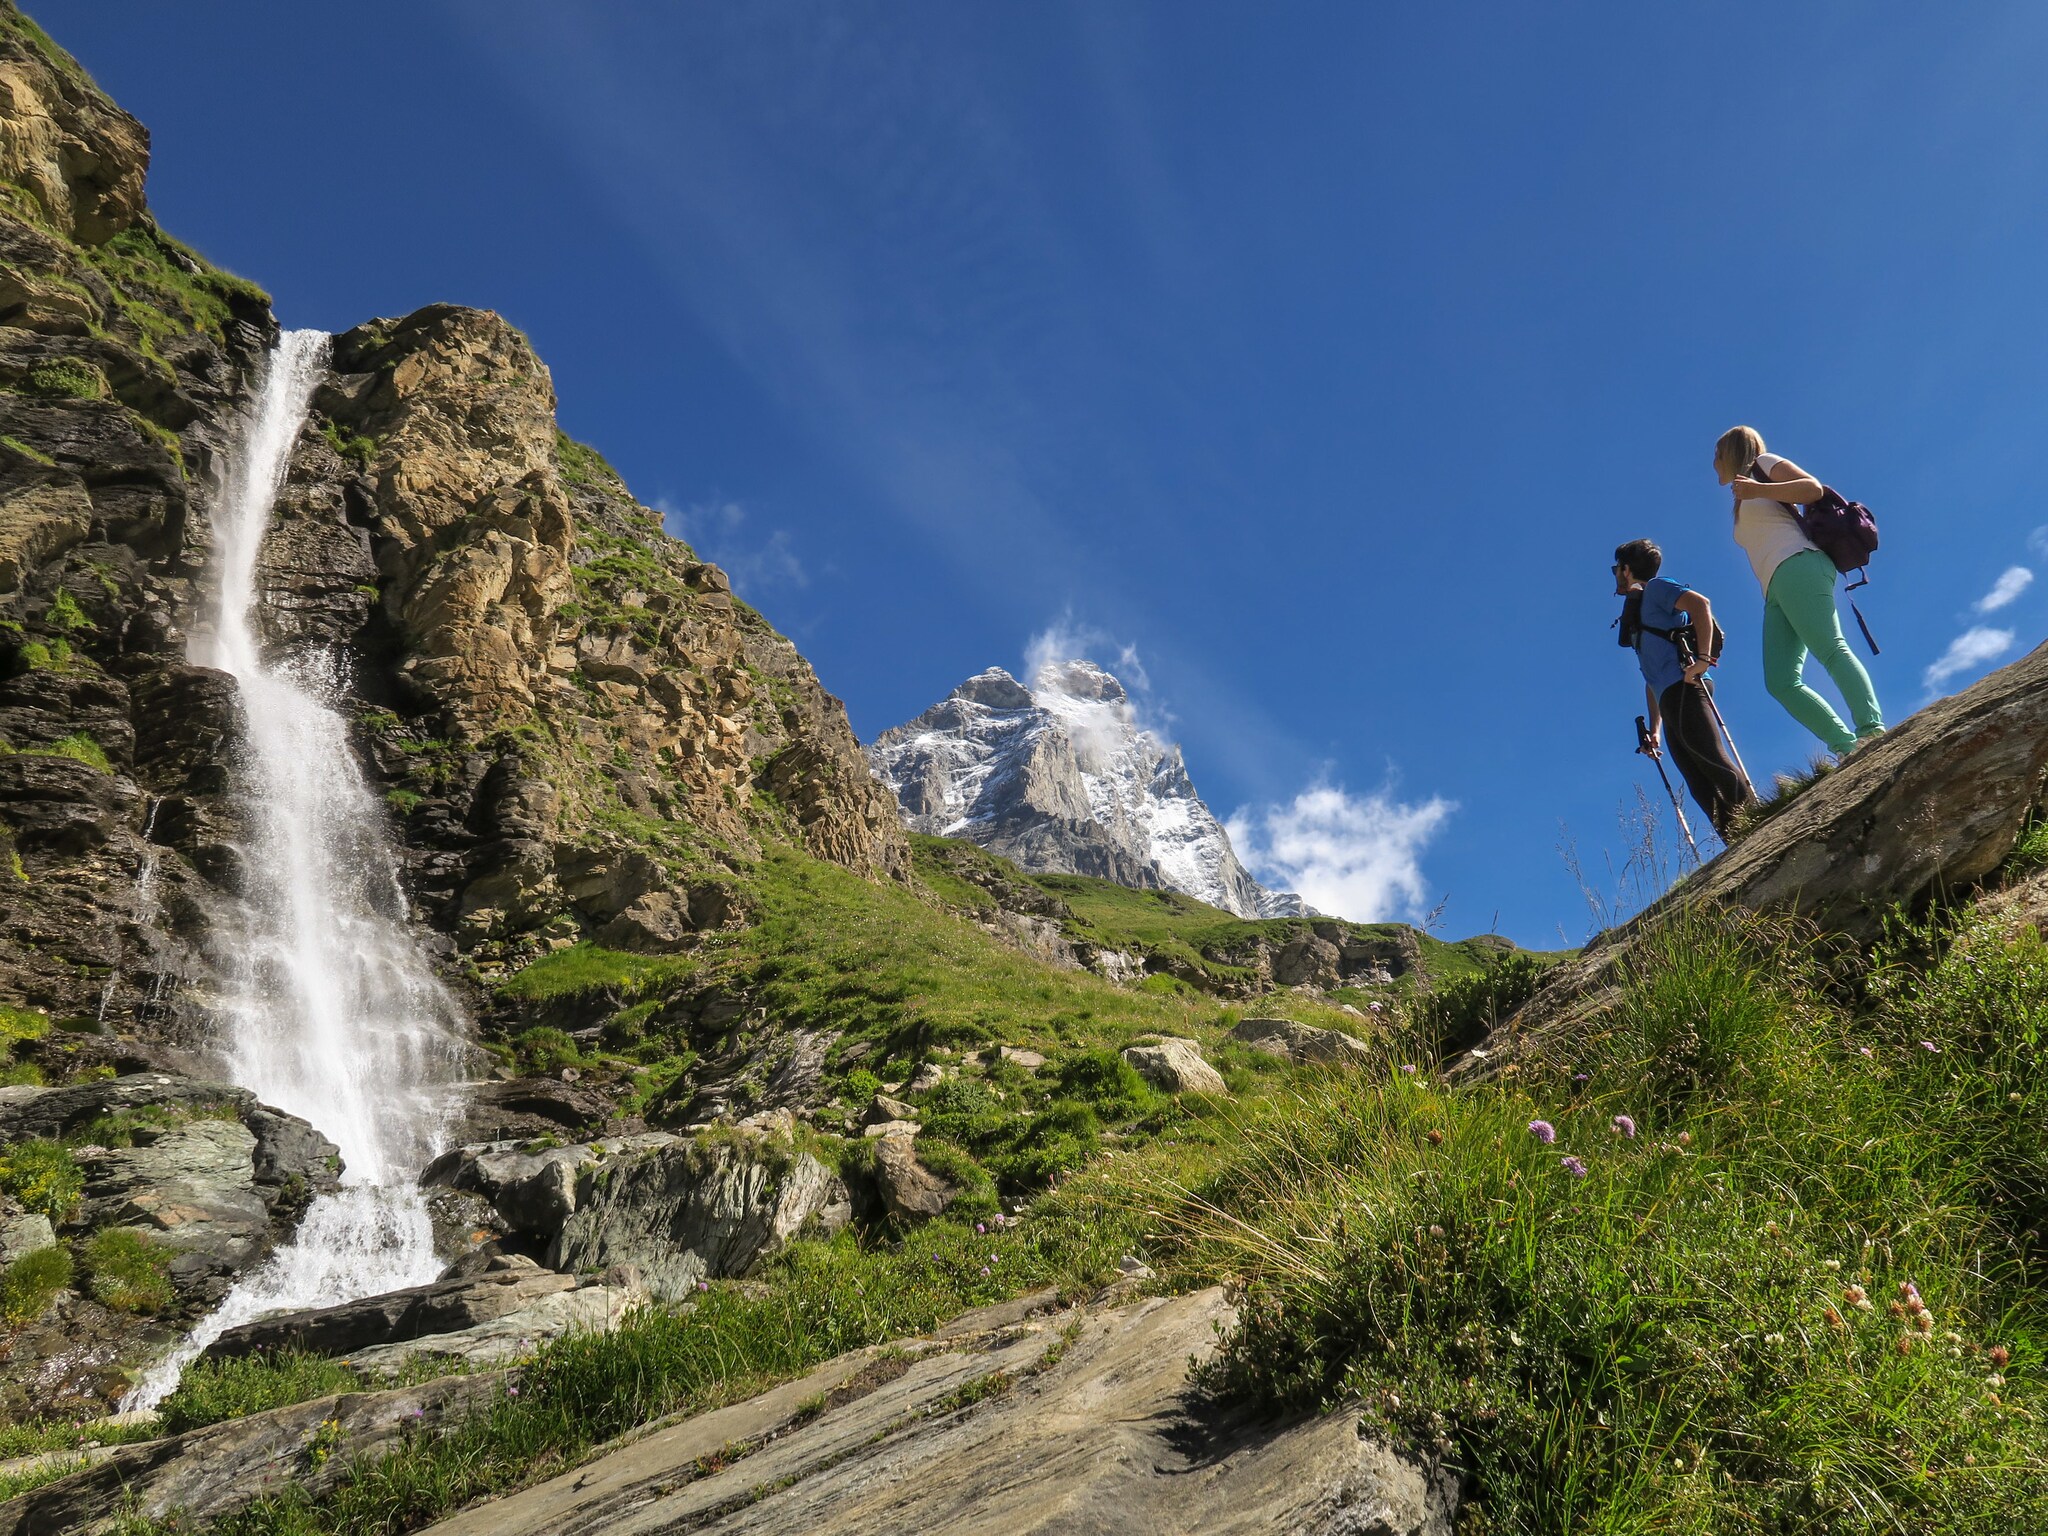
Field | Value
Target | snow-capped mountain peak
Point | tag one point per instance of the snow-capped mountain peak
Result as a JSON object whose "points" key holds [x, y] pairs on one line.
{"points": [[1062, 778]]}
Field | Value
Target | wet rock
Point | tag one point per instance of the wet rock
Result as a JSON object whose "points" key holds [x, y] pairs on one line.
{"points": [[690, 1211], [1174, 1065], [909, 1190], [506, 1286], [1300, 1042]]}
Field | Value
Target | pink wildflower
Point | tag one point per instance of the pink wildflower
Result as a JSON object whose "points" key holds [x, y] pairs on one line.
{"points": [[1543, 1131], [1623, 1126], [1574, 1167]]}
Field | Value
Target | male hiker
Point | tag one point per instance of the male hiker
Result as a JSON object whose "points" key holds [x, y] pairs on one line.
{"points": [[1671, 629]]}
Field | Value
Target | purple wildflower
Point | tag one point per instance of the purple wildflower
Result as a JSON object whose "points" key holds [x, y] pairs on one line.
{"points": [[979, 1227], [1408, 1067], [1623, 1126], [1373, 1007], [1543, 1131], [1929, 1045], [1574, 1167]]}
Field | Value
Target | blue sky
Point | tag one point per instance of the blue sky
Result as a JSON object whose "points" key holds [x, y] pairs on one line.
{"points": [[1318, 353]]}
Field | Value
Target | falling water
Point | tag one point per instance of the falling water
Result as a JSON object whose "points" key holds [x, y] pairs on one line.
{"points": [[327, 1008]]}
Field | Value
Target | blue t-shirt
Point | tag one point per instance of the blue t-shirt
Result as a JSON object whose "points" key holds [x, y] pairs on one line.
{"points": [[1658, 656]]}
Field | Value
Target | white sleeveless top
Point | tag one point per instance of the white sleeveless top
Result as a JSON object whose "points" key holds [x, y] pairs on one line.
{"points": [[1768, 531]]}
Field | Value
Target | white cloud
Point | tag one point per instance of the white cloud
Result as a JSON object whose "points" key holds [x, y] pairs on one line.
{"points": [[2037, 541], [2006, 589], [1351, 856], [1971, 649], [1067, 640], [718, 531]]}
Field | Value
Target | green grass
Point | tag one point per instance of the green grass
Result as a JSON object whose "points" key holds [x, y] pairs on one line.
{"points": [[166, 289], [80, 748], [31, 1283], [359, 451], [1673, 1342], [1169, 925], [33, 455], [588, 970], [213, 1390], [124, 1271]]}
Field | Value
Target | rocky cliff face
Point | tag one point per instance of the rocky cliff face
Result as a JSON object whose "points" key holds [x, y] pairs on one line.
{"points": [[1060, 779], [579, 730]]}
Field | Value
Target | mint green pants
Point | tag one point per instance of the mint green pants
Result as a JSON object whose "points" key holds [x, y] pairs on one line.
{"points": [[1800, 617]]}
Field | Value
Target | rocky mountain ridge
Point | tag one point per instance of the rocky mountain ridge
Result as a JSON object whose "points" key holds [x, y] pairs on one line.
{"points": [[1061, 778]]}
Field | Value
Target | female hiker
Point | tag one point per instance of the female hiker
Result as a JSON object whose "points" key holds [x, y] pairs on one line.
{"points": [[1798, 582]]}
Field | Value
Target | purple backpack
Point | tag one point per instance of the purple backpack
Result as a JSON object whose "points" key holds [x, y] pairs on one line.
{"points": [[1844, 530], [1846, 533]]}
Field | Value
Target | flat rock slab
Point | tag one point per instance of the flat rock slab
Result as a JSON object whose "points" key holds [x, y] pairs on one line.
{"points": [[1077, 1424], [506, 1340]]}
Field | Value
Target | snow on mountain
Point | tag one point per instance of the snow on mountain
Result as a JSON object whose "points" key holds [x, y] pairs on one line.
{"points": [[1060, 778]]}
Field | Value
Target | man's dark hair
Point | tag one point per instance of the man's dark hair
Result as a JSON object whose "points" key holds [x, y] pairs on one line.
{"points": [[1641, 558]]}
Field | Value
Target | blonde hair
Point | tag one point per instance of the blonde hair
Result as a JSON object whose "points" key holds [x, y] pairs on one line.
{"points": [[1738, 450]]}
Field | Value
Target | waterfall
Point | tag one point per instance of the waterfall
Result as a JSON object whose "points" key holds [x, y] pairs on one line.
{"points": [[327, 1008]]}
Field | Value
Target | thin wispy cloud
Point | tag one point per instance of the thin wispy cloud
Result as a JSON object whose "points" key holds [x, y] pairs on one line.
{"points": [[2006, 590], [1970, 650], [2037, 541], [1354, 856], [720, 532], [1068, 639]]}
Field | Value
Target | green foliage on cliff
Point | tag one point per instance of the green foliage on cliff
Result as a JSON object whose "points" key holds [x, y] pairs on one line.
{"points": [[125, 1271], [1803, 1295], [42, 1176], [66, 378], [167, 289], [358, 450], [583, 465], [31, 1283], [589, 970]]}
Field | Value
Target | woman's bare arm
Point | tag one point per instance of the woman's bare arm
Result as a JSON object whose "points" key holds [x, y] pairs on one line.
{"points": [[1783, 481]]}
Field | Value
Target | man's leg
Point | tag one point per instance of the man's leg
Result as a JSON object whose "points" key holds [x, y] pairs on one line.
{"points": [[1695, 745]]}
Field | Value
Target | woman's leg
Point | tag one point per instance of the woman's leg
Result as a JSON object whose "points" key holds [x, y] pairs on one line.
{"points": [[1809, 602], [1785, 664]]}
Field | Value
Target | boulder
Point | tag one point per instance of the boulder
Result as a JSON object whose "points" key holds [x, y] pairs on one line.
{"points": [[886, 1109], [505, 1340], [692, 1211], [532, 1191], [909, 1190], [1174, 1065], [23, 1232], [507, 1285], [1300, 1042]]}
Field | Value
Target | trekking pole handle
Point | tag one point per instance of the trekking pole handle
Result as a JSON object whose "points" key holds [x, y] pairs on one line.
{"points": [[1645, 742]]}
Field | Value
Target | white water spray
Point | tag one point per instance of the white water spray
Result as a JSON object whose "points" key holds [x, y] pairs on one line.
{"points": [[327, 1008]]}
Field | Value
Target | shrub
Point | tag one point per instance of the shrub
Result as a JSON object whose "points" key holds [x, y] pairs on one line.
{"points": [[542, 1050], [862, 1086], [31, 1283], [42, 1176], [1459, 1014], [125, 1271], [359, 451], [66, 378], [1103, 1079]]}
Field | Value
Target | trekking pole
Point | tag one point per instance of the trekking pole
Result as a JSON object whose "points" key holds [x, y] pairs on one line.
{"points": [[1707, 689], [1646, 745]]}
